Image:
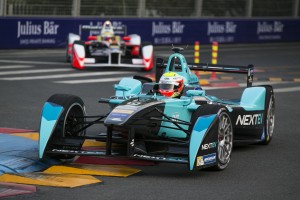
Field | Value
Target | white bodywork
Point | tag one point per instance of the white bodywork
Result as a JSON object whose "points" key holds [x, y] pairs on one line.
{"points": [[134, 40], [113, 47]]}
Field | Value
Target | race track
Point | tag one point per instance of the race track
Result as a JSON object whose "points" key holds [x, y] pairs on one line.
{"points": [[29, 77]]}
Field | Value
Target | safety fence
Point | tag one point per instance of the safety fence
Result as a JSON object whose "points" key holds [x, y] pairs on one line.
{"points": [[52, 32], [151, 8]]}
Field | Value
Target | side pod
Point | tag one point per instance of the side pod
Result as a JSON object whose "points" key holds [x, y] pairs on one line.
{"points": [[50, 115], [199, 135]]}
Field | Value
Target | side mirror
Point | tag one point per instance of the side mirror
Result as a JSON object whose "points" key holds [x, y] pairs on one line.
{"points": [[122, 88], [192, 93]]}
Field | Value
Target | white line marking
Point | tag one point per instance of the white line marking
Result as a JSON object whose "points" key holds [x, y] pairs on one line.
{"points": [[34, 62], [63, 76], [34, 71], [15, 67], [91, 80], [289, 89]]}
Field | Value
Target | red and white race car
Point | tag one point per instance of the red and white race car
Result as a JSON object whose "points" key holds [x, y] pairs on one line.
{"points": [[108, 49]]}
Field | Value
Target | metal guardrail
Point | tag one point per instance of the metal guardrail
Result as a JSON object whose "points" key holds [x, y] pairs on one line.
{"points": [[152, 8]]}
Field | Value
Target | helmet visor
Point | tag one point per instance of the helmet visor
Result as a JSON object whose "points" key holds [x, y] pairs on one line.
{"points": [[166, 86]]}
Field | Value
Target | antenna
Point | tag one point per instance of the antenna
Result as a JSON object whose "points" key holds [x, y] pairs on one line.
{"points": [[177, 49]]}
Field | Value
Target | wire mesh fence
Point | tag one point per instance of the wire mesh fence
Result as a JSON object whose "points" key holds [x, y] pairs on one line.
{"points": [[152, 8], [123, 8], [41, 8]]}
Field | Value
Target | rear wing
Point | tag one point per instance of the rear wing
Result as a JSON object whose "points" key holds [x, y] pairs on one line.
{"points": [[118, 30], [248, 70]]}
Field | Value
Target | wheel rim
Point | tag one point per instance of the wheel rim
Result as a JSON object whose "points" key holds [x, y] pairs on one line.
{"points": [[74, 120], [225, 138], [271, 118]]}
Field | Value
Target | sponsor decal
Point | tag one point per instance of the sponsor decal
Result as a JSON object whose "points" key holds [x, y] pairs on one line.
{"points": [[269, 30], [132, 143], [269, 27], [134, 103], [29, 28], [175, 115], [167, 40], [174, 27], [167, 28], [122, 111], [117, 117], [160, 158], [150, 157], [208, 146], [221, 27], [206, 159], [77, 152], [255, 119]]}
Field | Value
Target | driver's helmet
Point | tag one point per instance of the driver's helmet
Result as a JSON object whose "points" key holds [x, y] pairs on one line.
{"points": [[107, 29], [171, 84]]}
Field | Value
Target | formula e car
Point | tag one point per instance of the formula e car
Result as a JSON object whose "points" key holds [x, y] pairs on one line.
{"points": [[195, 129], [108, 48]]}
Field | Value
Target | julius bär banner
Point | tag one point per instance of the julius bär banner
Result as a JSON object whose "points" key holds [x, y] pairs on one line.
{"points": [[52, 32]]}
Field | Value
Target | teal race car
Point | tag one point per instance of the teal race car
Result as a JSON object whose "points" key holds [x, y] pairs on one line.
{"points": [[150, 123]]}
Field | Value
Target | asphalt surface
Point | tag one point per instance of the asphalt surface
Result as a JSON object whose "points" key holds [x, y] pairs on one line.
{"points": [[255, 171]]}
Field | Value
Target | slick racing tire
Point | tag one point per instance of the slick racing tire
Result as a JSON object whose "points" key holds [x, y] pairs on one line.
{"points": [[269, 116], [69, 125], [223, 128]]}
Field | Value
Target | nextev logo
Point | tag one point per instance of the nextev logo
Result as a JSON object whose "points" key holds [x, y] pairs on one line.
{"points": [[208, 146], [29, 28], [254, 119]]}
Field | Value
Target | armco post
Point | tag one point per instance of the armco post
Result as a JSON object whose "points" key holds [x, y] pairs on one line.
{"points": [[214, 58]]}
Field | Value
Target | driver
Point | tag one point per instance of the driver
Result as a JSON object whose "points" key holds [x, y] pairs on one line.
{"points": [[107, 30], [171, 84]]}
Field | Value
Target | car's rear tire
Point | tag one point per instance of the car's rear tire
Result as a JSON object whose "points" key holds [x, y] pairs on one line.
{"points": [[69, 125], [224, 132]]}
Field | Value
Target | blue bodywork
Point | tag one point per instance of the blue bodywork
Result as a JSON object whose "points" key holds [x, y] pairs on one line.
{"points": [[200, 129], [184, 70], [172, 117], [50, 115]]}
